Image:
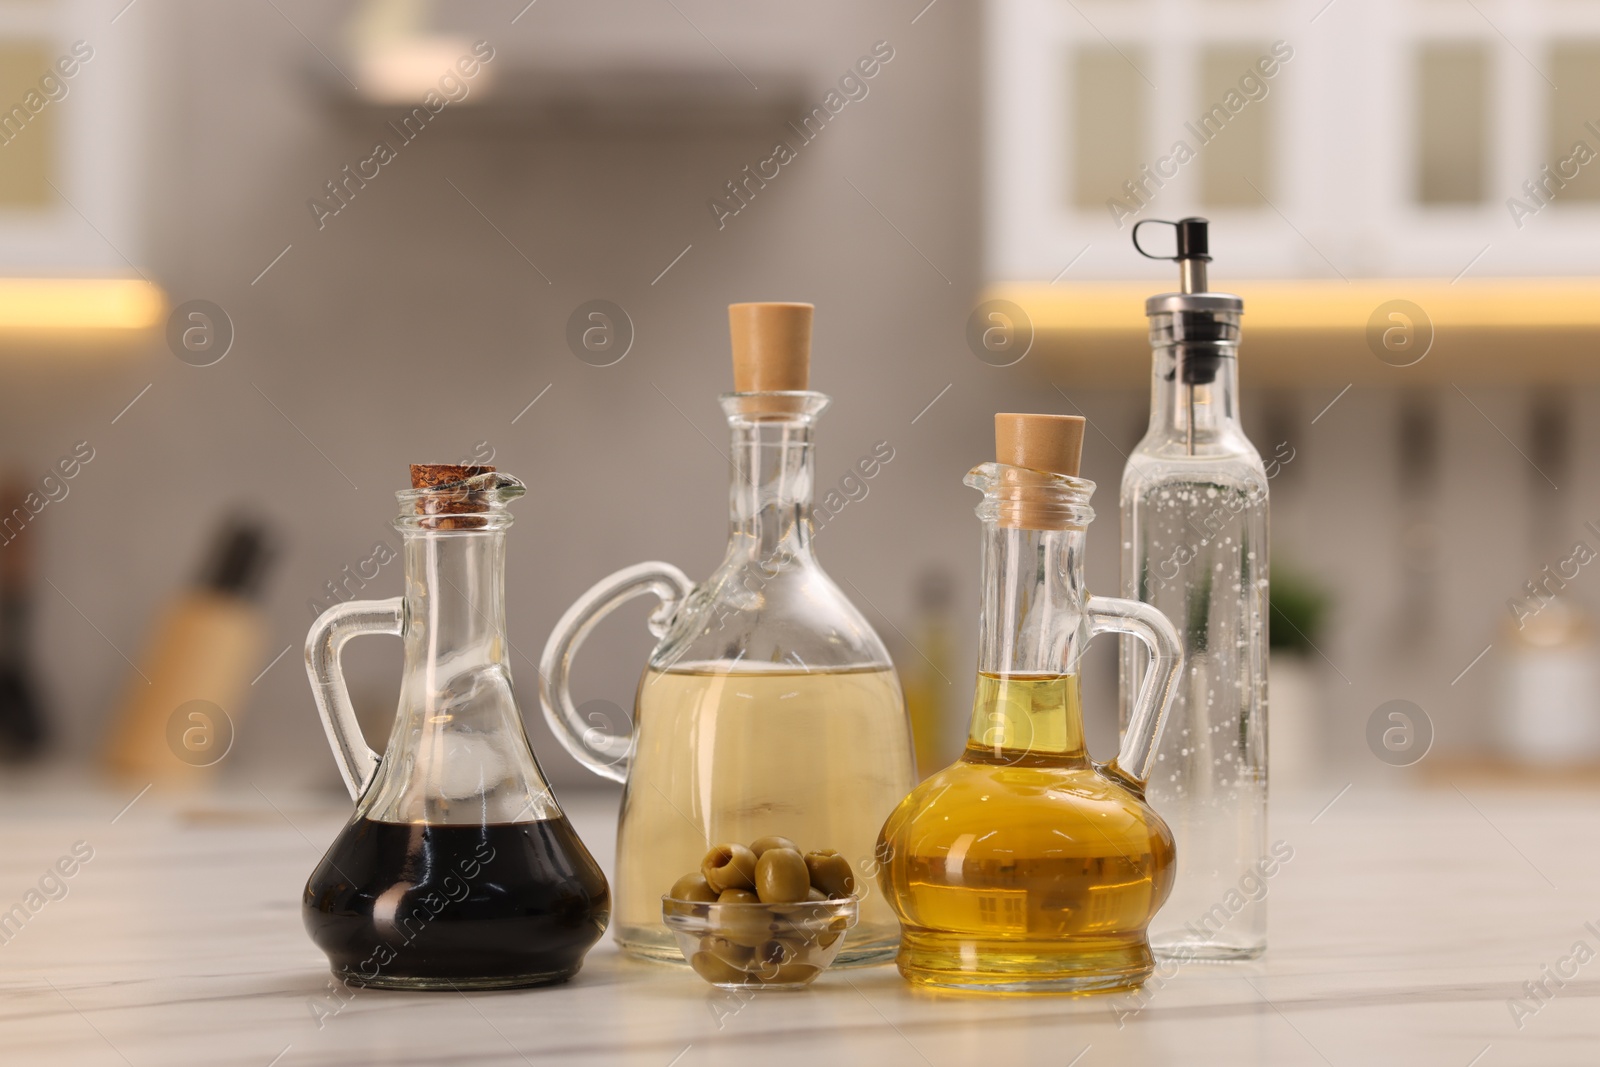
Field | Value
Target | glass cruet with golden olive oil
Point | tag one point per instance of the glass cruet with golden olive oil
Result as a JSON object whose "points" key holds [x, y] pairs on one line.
{"points": [[770, 706], [1025, 866]]}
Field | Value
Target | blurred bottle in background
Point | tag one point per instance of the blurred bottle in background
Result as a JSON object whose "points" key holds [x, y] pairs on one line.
{"points": [[23, 731], [1419, 535], [183, 703], [1549, 692], [938, 726], [1550, 689]]}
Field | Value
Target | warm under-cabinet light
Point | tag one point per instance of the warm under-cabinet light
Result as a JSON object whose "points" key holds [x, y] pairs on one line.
{"points": [[87, 306], [1322, 332], [1326, 304]]}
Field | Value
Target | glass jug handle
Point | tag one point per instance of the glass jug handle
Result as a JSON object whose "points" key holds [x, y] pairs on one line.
{"points": [[357, 763], [608, 755], [1113, 615]]}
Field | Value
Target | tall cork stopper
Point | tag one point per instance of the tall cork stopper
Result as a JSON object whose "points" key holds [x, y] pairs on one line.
{"points": [[460, 501], [771, 347], [1036, 446], [1049, 443]]}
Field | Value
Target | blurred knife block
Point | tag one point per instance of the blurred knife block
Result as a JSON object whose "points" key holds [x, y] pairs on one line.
{"points": [[177, 721]]}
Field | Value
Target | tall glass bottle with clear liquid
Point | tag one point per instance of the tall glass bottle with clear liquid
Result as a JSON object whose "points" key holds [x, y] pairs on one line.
{"points": [[770, 706], [1194, 540]]}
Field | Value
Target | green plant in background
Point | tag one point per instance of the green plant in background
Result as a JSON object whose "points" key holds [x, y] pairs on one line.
{"points": [[1198, 625], [1299, 607]]}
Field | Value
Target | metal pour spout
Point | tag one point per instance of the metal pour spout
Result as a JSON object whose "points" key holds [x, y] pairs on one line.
{"points": [[1193, 253]]}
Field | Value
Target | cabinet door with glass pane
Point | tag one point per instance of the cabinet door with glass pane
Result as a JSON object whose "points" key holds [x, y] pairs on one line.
{"points": [[71, 133], [1336, 139]]}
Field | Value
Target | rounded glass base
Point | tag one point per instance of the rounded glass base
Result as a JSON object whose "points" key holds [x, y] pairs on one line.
{"points": [[1206, 951], [979, 965], [468, 984], [656, 944]]}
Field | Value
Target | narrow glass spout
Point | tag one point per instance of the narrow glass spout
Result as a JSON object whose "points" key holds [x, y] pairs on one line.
{"points": [[770, 493], [1031, 629], [458, 751]]}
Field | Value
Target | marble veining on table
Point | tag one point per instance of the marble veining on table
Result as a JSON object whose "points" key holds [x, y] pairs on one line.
{"points": [[1405, 930]]}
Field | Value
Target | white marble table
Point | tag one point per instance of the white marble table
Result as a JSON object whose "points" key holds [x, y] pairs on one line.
{"points": [[1401, 929]]}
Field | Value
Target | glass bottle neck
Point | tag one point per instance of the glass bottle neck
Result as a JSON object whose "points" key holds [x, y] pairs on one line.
{"points": [[458, 752], [1031, 630], [455, 600], [1202, 399], [769, 505]]}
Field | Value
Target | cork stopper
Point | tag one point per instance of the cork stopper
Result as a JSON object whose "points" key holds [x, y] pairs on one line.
{"points": [[771, 346], [460, 502], [1049, 443], [1037, 447]]}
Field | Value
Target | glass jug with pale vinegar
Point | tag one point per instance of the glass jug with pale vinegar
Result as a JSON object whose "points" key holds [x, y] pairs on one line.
{"points": [[770, 706]]}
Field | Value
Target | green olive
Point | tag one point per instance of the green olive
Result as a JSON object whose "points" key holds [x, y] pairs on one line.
{"points": [[796, 948], [734, 955], [729, 867], [830, 872], [747, 926], [781, 876], [769, 956], [836, 929], [716, 970], [738, 896], [693, 887], [761, 844]]}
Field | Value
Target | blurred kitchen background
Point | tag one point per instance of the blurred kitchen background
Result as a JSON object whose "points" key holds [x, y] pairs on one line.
{"points": [[1408, 203]]}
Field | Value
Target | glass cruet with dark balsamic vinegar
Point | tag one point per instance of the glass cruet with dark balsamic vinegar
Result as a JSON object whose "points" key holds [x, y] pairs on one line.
{"points": [[769, 706], [1025, 866], [1194, 545], [458, 870]]}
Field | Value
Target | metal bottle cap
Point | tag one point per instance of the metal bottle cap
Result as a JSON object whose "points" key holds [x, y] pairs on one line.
{"points": [[1204, 325]]}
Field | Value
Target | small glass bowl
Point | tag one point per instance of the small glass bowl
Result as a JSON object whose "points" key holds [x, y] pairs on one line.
{"points": [[765, 946]]}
